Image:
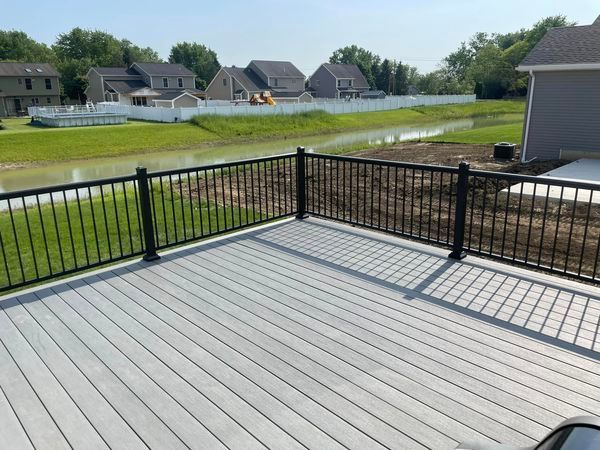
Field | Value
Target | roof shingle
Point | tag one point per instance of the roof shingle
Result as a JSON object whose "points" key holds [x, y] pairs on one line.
{"points": [[349, 71], [277, 68], [567, 45], [16, 69]]}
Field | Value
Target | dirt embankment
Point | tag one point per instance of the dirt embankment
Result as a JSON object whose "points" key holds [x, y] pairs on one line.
{"points": [[479, 156]]}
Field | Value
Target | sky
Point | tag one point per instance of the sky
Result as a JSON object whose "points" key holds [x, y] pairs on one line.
{"points": [[417, 32]]}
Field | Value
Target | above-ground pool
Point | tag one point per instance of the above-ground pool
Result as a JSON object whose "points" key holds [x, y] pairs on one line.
{"points": [[82, 120]]}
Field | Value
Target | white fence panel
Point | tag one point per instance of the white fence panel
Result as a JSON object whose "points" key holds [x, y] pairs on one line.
{"points": [[332, 106]]}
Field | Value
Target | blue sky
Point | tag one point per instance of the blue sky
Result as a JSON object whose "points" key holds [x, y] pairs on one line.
{"points": [[419, 32]]}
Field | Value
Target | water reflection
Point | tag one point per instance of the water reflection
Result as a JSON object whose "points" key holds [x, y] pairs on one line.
{"points": [[11, 180]]}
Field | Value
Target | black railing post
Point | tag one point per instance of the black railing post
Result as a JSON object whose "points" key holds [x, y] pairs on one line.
{"points": [[146, 210], [300, 184], [460, 213]]}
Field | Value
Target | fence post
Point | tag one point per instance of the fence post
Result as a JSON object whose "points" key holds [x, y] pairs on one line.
{"points": [[300, 184], [146, 209], [460, 214]]}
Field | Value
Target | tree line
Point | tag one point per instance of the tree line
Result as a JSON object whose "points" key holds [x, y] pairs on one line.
{"points": [[484, 65]]}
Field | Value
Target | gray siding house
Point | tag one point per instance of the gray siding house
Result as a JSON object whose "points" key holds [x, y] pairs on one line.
{"points": [[562, 119], [27, 84], [338, 81], [143, 84], [281, 78]]}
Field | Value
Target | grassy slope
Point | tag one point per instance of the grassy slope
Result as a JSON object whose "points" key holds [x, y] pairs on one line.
{"points": [[68, 230], [487, 135], [21, 143]]}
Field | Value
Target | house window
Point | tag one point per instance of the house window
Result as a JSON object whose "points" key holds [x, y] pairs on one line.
{"points": [[339, 83], [48, 83], [224, 81], [180, 82], [139, 101], [28, 85], [349, 82], [48, 100], [20, 81], [275, 82], [165, 82], [35, 101]]}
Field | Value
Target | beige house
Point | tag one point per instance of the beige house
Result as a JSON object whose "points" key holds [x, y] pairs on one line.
{"points": [[27, 84], [144, 84], [281, 78]]}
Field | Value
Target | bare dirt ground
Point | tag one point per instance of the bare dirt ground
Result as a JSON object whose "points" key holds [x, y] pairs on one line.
{"points": [[479, 156]]}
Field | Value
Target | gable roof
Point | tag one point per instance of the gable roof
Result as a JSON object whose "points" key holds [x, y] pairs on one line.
{"points": [[566, 46], [247, 78], [348, 71], [165, 69], [16, 69], [277, 68], [116, 71]]}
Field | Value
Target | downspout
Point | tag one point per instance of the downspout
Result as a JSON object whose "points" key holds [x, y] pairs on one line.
{"points": [[528, 120]]}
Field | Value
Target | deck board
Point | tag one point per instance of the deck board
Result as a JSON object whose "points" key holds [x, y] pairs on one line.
{"points": [[299, 334]]}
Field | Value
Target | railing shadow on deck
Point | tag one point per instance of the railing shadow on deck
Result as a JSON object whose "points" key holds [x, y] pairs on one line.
{"points": [[550, 312]]}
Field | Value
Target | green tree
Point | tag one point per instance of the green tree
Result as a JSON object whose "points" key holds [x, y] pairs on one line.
{"points": [[491, 72], [198, 58], [385, 76], [18, 46], [132, 53], [102, 48]]}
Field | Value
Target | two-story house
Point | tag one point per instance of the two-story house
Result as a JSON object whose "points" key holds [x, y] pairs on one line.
{"points": [[338, 81], [27, 84], [281, 78], [143, 84]]}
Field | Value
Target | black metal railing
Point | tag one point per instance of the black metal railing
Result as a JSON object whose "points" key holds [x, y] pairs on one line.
{"points": [[550, 224], [55, 231], [414, 200]]}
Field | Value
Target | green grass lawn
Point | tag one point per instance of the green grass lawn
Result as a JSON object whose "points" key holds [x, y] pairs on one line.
{"points": [[487, 135], [51, 239], [21, 143]]}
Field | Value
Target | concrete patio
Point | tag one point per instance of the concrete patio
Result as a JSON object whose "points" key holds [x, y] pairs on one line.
{"points": [[297, 334]]}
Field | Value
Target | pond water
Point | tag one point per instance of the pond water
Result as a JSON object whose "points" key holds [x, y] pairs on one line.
{"points": [[74, 171]]}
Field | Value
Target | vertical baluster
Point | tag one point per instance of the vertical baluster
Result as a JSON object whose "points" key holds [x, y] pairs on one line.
{"points": [[44, 238], [87, 256], [571, 231], [585, 231], [16, 240], [539, 261], [496, 188], [191, 204], [128, 218], [56, 229], [6, 268], [106, 222], [71, 230], [505, 220], [224, 199], [28, 226], [562, 190], [530, 222], [182, 204], [199, 202], [164, 210]]}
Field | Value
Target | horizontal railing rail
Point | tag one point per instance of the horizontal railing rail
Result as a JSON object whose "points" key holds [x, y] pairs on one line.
{"points": [[541, 222]]}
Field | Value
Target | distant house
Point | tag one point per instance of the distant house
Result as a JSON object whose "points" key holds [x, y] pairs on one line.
{"points": [[373, 95], [281, 78], [27, 84], [562, 119], [143, 84], [338, 81]]}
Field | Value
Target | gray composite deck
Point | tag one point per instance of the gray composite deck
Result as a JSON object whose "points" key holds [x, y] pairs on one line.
{"points": [[300, 334]]}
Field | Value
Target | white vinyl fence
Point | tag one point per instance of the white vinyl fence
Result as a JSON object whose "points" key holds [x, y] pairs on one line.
{"points": [[339, 107]]}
